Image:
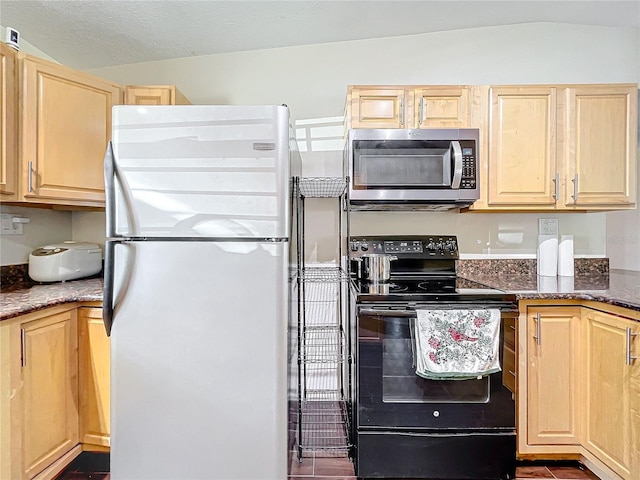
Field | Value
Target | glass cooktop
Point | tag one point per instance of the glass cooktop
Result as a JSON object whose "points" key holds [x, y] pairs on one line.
{"points": [[425, 289]]}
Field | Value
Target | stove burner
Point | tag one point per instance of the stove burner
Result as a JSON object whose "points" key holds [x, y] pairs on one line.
{"points": [[394, 287], [436, 286]]}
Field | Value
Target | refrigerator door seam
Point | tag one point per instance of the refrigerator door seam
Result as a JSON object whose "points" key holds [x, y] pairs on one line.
{"points": [[198, 239]]}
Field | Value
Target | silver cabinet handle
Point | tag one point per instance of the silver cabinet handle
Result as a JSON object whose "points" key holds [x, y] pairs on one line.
{"points": [[629, 358], [575, 188], [457, 158], [421, 110], [512, 373], [29, 176], [538, 335], [556, 186], [23, 348], [401, 112], [512, 327]]}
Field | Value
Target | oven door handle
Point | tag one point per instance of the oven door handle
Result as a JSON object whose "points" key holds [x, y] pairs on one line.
{"points": [[372, 312], [389, 312]]}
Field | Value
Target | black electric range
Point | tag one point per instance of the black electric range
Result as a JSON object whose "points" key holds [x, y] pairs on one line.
{"points": [[406, 426]]}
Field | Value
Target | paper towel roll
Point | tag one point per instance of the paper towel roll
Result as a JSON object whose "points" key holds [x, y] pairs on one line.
{"points": [[565, 256], [547, 255]]}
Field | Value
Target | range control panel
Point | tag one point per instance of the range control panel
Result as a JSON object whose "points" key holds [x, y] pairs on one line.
{"points": [[428, 246]]}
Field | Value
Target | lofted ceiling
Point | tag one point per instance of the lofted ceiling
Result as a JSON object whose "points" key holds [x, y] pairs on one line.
{"points": [[88, 34]]}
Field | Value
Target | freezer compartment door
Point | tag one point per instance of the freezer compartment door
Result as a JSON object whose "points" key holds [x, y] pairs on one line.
{"points": [[211, 171], [199, 367]]}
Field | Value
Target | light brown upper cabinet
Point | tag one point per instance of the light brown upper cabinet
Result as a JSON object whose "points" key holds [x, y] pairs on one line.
{"points": [[8, 123], [442, 106], [65, 125], [600, 147], [557, 147], [407, 106], [154, 95]]}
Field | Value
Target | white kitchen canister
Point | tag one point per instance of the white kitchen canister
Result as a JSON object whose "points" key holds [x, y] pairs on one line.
{"points": [[547, 255], [565, 256]]}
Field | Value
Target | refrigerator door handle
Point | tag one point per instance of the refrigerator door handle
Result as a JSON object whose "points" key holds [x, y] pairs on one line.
{"points": [[110, 191], [107, 301]]}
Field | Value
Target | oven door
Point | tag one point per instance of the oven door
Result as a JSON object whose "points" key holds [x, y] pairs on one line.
{"points": [[391, 396]]}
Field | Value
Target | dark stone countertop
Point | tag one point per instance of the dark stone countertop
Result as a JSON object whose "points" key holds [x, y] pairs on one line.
{"points": [[618, 287], [18, 301]]}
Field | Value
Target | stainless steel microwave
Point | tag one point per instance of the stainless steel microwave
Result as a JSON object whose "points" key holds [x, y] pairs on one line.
{"points": [[398, 169]]}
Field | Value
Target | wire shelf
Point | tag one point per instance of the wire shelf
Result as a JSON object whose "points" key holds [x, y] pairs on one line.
{"points": [[324, 274], [325, 427], [323, 344], [322, 187]]}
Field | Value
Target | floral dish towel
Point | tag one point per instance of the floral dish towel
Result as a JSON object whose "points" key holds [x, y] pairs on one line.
{"points": [[457, 344]]}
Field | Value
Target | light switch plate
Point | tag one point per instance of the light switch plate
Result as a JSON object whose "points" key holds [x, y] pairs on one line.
{"points": [[9, 227], [548, 226]]}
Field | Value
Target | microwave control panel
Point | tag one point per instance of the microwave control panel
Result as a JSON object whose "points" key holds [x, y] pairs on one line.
{"points": [[468, 164]]}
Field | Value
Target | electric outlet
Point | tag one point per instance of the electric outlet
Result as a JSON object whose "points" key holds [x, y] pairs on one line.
{"points": [[9, 227], [548, 226]]}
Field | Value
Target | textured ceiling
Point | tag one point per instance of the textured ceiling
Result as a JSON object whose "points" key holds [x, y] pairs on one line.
{"points": [[96, 33]]}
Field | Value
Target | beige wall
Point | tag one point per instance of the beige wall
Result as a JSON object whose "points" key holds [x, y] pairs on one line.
{"points": [[26, 47], [45, 226], [312, 81]]}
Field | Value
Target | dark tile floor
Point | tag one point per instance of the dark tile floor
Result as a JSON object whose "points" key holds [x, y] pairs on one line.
{"points": [[96, 467], [317, 468]]}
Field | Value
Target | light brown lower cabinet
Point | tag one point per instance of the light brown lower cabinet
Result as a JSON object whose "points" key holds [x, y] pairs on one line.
{"points": [[54, 390], [93, 353], [38, 393], [579, 385], [608, 390]]}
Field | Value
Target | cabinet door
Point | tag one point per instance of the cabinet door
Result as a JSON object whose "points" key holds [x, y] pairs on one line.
{"points": [[49, 390], [93, 351], [442, 107], [553, 371], [607, 397], [522, 146], [635, 402], [66, 125], [509, 361], [154, 95], [601, 145], [380, 108], [8, 123]]}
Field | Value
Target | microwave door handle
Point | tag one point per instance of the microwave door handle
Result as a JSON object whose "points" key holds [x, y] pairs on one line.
{"points": [[457, 163]]}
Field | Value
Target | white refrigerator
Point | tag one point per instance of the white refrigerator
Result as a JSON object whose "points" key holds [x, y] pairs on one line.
{"points": [[196, 301]]}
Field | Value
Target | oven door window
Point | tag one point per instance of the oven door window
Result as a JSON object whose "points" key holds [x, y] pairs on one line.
{"points": [[390, 394], [402, 164], [400, 384]]}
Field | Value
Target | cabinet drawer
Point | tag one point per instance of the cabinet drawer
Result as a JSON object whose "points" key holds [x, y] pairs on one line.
{"points": [[510, 332], [509, 369]]}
